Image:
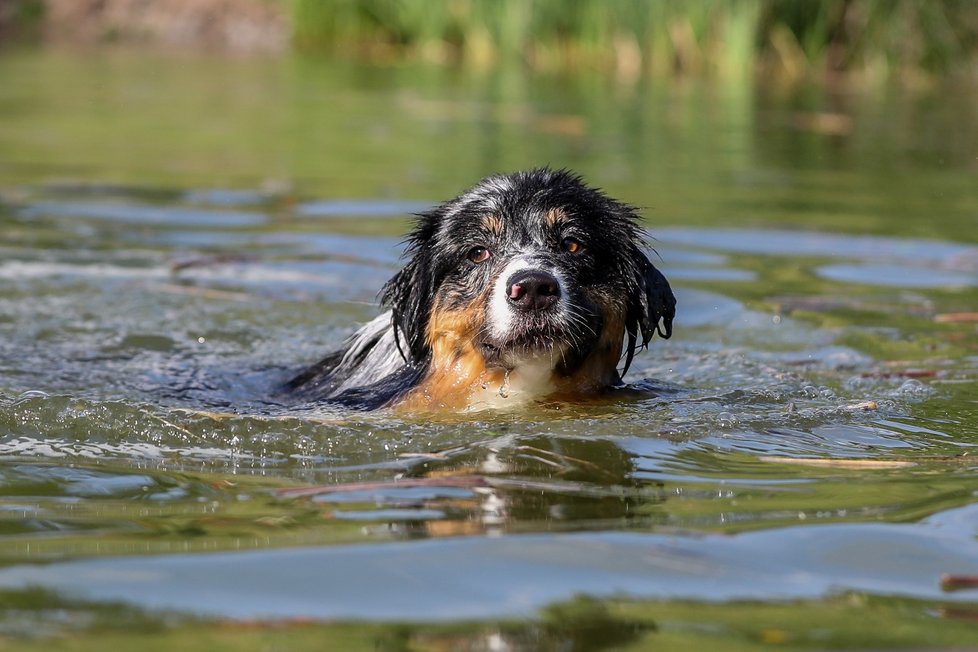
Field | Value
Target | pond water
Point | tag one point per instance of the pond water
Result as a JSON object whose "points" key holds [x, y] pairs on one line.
{"points": [[179, 234]]}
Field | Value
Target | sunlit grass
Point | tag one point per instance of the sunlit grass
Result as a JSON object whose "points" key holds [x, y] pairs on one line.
{"points": [[635, 35]]}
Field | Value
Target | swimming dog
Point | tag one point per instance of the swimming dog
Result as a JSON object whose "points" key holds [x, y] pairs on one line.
{"points": [[528, 286]]}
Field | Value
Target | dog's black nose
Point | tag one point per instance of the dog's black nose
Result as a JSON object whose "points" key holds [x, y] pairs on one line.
{"points": [[533, 290]]}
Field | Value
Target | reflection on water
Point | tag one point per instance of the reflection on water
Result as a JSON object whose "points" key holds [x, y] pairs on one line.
{"points": [[808, 430], [407, 581]]}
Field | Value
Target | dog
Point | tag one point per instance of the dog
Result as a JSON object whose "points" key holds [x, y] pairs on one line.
{"points": [[528, 287]]}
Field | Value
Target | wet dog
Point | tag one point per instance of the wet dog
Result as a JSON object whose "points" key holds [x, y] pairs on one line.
{"points": [[528, 286]]}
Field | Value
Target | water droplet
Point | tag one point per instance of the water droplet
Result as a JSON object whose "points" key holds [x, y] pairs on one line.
{"points": [[504, 387], [28, 395], [913, 388], [855, 383]]}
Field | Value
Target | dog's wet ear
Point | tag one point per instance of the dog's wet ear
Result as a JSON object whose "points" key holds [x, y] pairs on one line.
{"points": [[651, 307], [410, 293]]}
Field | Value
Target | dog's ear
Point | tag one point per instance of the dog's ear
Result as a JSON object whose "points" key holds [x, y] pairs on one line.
{"points": [[410, 293], [651, 307]]}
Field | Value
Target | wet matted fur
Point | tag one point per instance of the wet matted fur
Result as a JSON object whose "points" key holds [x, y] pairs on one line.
{"points": [[527, 286]]}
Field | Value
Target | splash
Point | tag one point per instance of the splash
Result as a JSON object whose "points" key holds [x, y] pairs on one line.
{"points": [[504, 386]]}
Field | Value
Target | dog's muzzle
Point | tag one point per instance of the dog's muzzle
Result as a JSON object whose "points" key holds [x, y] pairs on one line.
{"points": [[527, 312], [529, 290]]}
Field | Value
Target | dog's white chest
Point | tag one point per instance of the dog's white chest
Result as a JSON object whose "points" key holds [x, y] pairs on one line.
{"points": [[527, 382]]}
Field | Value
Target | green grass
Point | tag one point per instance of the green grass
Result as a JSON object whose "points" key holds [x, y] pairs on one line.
{"points": [[631, 37], [793, 36]]}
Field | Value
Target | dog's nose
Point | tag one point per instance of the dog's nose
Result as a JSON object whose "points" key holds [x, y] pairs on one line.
{"points": [[533, 290]]}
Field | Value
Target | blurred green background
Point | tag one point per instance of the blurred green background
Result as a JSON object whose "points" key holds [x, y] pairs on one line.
{"points": [[840, 115], [790, 37]]}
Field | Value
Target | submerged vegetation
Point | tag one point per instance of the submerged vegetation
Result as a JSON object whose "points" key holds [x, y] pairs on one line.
{"points": [[635, 35]]}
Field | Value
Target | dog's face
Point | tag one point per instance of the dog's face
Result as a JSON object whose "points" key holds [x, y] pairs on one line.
{"points": [[533, 268]]}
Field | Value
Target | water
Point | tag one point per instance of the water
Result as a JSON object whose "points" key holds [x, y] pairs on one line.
{"points": [[180, 235]]}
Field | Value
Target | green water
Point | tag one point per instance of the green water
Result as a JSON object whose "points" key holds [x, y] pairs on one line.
{"points": [[179, 234]]}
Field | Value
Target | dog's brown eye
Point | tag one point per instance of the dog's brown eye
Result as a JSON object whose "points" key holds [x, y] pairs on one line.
{"points": [[479, 255], [572, 246]]}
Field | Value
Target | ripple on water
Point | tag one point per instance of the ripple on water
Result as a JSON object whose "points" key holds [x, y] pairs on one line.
{"points": [[360, 208], [493, 577], [227, 197], [902, 276], [816, 244], [83, 482], [164, 216]]}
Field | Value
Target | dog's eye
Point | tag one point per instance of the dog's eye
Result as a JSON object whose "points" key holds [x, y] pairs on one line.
{"points": [[479, 255], [572, 246]]}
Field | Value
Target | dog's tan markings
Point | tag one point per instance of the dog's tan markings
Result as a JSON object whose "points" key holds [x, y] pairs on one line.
{"points": [[493, 224], [555, 216], [457, 366]]}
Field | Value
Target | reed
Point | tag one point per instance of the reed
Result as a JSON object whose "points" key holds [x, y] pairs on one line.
{"points": [[697, 36]]}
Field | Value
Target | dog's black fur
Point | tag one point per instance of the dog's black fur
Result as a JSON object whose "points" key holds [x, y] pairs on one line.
{"points": [[611, 296]]}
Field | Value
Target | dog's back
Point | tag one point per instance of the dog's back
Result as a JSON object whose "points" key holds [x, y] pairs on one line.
{"points": [[367, 372]]}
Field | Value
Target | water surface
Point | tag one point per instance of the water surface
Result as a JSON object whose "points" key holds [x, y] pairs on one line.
{"points": [[179, 235]]}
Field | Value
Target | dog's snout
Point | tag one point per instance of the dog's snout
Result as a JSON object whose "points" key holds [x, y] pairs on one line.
{"points": [[533, 290]]}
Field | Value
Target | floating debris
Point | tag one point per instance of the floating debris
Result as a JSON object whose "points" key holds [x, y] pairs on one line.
{"points": [[839, 463], [958, 582]]}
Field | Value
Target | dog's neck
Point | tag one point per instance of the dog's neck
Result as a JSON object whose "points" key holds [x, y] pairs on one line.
{"points": [[529, 381], [462, 381]]}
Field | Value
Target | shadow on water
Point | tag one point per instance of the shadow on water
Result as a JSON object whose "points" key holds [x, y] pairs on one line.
{"points": [[801, 451]]}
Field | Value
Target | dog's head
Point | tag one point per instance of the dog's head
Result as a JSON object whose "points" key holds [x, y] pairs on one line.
{"points": [[528, 267]]}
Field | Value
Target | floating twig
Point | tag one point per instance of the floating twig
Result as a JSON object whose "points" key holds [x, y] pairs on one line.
{"points": [[864, 405], [901, 373], [838, 462], [204, 293], [958, 582], [956, 317]]}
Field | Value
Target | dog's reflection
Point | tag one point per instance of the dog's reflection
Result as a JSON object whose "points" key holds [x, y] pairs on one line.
{"points": [[533, 484]]}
